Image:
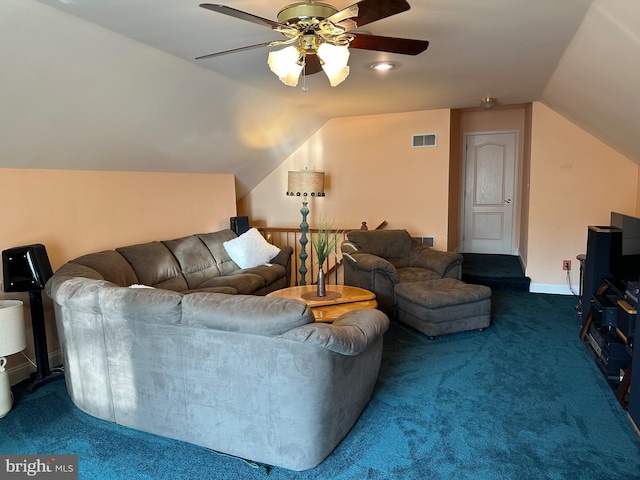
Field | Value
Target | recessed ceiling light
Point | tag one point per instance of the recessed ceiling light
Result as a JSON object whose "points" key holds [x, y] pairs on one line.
{"points": [[382, 66]]}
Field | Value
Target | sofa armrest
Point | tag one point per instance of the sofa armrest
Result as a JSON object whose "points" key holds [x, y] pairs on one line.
{"points": [[351, 334], [372, 273], [76, 293], [284, 257], [367, 262], [440, 262]]}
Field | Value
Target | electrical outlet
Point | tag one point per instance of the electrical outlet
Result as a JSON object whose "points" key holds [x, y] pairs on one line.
{"points": [[566, 264]]}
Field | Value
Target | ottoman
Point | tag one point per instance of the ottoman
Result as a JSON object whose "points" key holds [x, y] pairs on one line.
{"points": [[442, 306]]}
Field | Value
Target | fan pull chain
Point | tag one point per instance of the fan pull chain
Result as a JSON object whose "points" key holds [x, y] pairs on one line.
{"points": [[304, 76]]}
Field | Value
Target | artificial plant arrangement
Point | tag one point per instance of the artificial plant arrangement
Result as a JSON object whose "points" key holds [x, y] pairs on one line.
{"points": [[324, 243]]}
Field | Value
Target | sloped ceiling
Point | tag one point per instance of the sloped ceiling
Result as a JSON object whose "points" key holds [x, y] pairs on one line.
{"points": [[596, 82], [115, 85]]}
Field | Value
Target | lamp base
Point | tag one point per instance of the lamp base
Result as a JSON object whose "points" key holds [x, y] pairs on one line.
{"points": [[8, 409], [6, 395]]}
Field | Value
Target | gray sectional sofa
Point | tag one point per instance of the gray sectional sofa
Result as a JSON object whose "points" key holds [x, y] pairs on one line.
{"points": [[191, 359], [196, 263]]}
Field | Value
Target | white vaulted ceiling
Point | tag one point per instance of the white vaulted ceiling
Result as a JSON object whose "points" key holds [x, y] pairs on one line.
{"points": [[115, 84]]}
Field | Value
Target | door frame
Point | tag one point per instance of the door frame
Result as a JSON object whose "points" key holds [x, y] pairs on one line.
{"points": [[513, 250]]}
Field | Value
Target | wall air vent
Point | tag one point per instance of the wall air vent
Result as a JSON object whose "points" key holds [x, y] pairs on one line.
{"points": [[424, 140], [429, 241]]}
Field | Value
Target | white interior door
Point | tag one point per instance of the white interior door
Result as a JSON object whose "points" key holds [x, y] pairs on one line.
{"points": [[489, 192]]}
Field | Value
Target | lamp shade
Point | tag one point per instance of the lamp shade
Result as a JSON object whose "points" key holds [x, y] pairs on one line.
{"points": [[285, 64], [334, 62], [12, 333], [305, 183]]}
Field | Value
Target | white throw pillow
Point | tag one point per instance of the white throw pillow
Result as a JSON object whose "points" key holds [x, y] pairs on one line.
{"points": [[250, 249]]}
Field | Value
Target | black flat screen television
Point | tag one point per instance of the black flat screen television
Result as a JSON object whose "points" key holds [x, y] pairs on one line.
{"points": [[625, 247]]}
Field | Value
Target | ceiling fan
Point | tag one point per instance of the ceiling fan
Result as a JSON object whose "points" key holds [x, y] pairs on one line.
{"points": [[319, 35]]}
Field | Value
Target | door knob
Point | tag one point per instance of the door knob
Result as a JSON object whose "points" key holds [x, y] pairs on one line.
{"points": [[508, 200]]}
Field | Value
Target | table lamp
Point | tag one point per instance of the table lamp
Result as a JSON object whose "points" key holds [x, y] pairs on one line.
{"points": [[305, 184], [12, 340]]}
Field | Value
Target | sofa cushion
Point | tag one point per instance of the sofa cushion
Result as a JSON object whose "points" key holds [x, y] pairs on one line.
{"points": [[152, 305], [442, 292], [111, 265], [250, 249], [411, 274], [195, 259], [390, 244], [244, 313], [243, 282], [214, 242], [72, 269], [154, 265], [226, 289], [270, 273]]}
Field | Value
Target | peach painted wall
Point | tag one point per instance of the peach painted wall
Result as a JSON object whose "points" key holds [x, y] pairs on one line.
{"points": [[576, 181], [78, 212], [526, 186], [568, 180], [372, 174], [637, 213]]}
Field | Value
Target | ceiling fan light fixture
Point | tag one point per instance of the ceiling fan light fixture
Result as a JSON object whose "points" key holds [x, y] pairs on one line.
{"points": [[325, 34], [334, 60], [286, 65]]}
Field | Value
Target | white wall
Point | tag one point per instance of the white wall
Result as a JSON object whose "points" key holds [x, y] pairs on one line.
{"points": [[77, 96]]}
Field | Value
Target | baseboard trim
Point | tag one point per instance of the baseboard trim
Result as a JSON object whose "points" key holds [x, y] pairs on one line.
{"points": [[551, 288], [24, 371]]}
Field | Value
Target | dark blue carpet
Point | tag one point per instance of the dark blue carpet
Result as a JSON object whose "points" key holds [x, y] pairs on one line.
{"points": [[499, 272], [522, 400]]}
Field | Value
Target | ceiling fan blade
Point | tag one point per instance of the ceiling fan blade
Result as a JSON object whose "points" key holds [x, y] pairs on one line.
{"points": [[367, 11], [312, 64], [234, 50], [232, 12], [405, 46]]}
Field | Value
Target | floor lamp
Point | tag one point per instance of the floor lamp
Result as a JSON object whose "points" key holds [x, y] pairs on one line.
{"points": [[12, 340], [305, 184], [27, 269]]}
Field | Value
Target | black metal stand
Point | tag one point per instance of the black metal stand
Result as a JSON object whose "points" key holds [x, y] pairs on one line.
{"points": [[43, 373]]}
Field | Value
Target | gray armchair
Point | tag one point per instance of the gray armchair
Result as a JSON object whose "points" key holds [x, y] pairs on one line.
{"points": [[377, 260]]}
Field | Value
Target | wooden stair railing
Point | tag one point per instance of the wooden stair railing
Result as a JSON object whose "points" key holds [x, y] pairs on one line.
{"points": [[281, 236]]}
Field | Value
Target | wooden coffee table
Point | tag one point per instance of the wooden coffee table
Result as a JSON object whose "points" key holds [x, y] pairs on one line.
{"points": [[339, 299]]}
